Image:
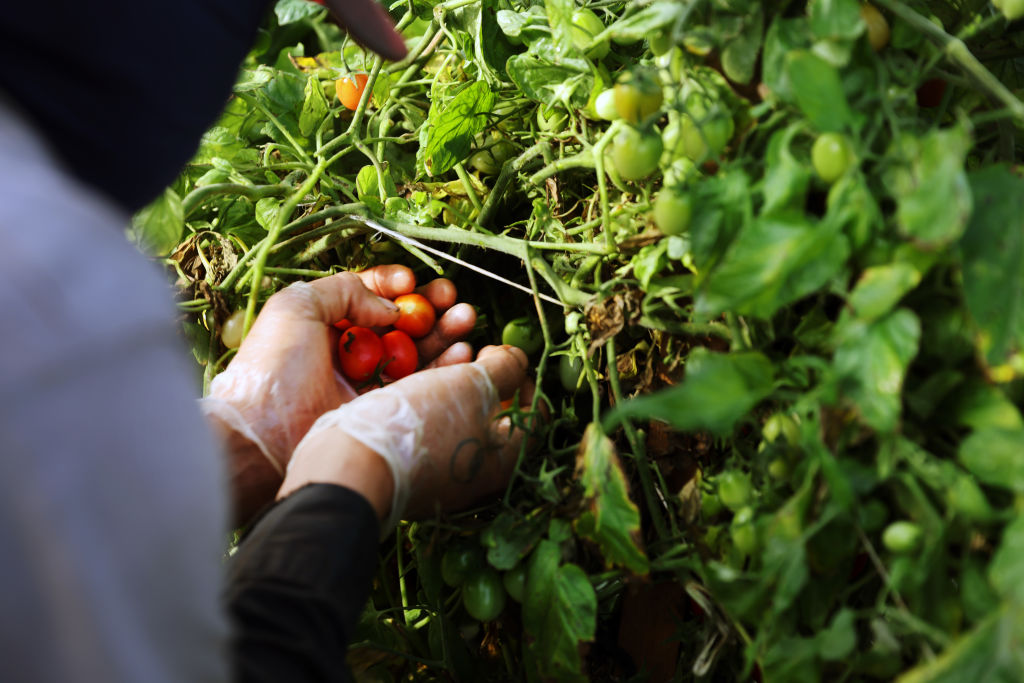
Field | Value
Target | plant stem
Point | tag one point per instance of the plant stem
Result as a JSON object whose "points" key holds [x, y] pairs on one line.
{"points": [[196, 197], [283, 212], [643, 464]]}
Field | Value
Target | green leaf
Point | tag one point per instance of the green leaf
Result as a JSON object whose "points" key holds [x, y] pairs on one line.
{"points": [[993, 263], [979, 405], [647, 21], [933, 195], [994, 456], [650, 261], [290, 11], [740, 53], [266, 211], [785, 178], [783, 36], [1007, 568], [559, 613], [774, 261], [157, 228], [990, 653], [314, 106], [835, 19], [717, 391], [612, 520], [565, 84], [871, 360], [559, 13], [840, 638], [453, 124], [509, 538], [818, 91], [880, 288]]}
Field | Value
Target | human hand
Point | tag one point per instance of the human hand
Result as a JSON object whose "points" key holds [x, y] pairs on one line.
{"points": [[434, 432], [369, 25], [284, 375]]}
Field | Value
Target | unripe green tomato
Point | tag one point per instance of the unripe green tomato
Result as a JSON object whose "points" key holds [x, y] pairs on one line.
{"points": [[660, 43], [524, 333], [744, 532], [710, 504], [231, 330], [585, 27], [483, 595], [735, 489], [672, 211], [831, 156], [515, 582], [680, 172], [460, 562], [569, 370], [637, 96], [779, 469], [902, 536], [496, 152], [552, 120], [604, 105], [781, 424], [572, 322], [1011, 9], [707, 138], [635, 154]]}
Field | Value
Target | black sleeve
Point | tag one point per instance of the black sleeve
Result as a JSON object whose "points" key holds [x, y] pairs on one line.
{"points": [[297, 585]]}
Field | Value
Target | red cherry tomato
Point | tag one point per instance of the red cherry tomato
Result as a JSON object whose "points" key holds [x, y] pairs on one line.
{"points": [[416, 316], [350, 89], [343, 324], [930, 93], [360, 351], [400, 355]]}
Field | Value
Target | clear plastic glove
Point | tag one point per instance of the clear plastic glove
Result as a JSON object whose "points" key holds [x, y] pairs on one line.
{"points": [[285, 374], [434, 433]]}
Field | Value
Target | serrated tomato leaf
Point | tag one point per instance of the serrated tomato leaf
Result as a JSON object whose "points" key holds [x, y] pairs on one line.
{"points": [[452, 125], [717, 391], [612, 520], [559, 614]]}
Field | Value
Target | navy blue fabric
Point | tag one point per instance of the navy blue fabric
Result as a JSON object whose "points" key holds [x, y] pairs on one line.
{"points": [[124, 90]]}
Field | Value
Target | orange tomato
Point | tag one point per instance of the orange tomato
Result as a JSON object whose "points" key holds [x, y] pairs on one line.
{"points": [[350, 89]]}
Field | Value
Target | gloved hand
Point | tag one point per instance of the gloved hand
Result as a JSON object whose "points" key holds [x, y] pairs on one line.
{"points": [[285, 375], [434, 433]]}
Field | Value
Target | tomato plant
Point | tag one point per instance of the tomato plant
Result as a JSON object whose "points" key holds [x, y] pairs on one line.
{"points": [[483, 595], [796, 313], [400, 356], [524, 333], [360, 352], [416, 315]]}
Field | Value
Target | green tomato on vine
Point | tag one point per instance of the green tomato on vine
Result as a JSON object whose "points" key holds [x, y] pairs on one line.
{"points": [[831, 156]]}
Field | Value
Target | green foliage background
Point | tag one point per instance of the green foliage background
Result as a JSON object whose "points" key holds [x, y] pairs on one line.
{"points": [[747, 407]]}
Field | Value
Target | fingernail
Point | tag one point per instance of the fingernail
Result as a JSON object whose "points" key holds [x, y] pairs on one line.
{"points": [[388, 304]]}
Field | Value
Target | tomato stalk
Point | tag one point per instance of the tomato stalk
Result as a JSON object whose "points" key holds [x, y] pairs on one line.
{"points": [[643, 463], [283, 212], [296, 147], [958, 53], [509, 170], [197, 197]]}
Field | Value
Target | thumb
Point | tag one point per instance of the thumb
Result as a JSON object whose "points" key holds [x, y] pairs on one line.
{"points": [[506, 366]]}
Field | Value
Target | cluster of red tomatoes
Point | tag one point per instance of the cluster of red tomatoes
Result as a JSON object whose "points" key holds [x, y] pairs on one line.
{"points": [[365, 354]]}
